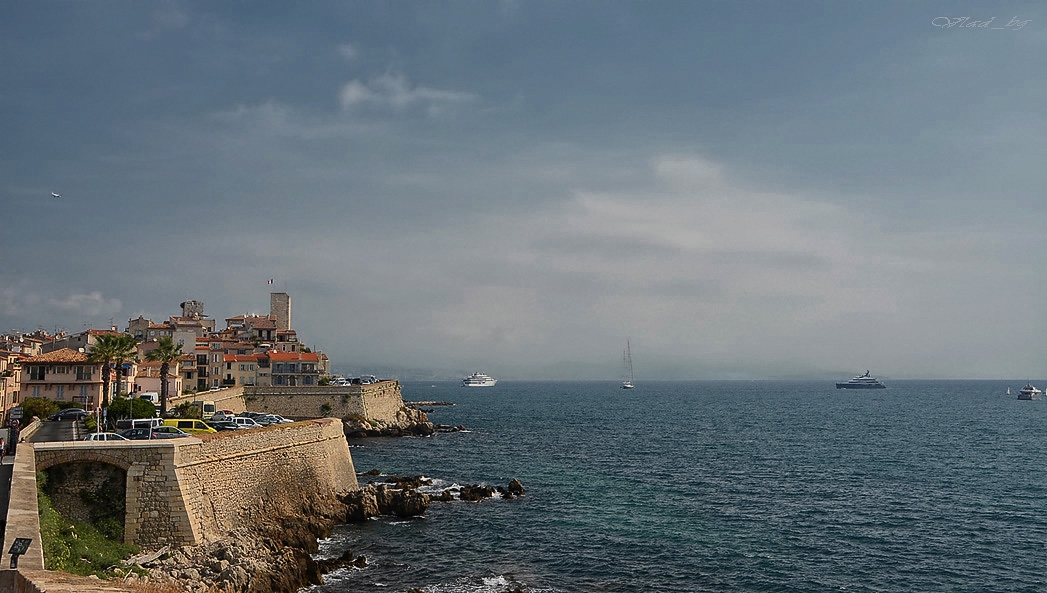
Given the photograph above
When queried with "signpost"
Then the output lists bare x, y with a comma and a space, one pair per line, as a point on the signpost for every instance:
18, 548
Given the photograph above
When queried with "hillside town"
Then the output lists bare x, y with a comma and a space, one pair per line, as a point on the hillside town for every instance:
251, 350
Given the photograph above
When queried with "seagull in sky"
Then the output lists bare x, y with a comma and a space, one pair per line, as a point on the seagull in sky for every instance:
54, 195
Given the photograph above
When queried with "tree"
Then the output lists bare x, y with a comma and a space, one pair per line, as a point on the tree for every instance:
109, 349
166, 353
37, 406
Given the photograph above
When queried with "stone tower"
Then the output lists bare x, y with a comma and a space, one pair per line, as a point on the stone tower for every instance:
280, 309
193, 310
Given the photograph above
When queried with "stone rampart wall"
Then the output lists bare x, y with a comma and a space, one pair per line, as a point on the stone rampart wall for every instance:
183, 491
233, 479
231, 398
378, 401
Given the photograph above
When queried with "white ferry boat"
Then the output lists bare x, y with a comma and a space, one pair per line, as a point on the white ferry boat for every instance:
478, 380
862, 382
1029, 392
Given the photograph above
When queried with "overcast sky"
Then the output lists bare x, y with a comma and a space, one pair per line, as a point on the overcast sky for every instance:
741, 189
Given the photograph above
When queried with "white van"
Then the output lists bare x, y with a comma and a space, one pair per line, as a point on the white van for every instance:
139, 423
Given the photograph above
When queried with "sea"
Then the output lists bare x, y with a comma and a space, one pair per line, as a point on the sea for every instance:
715, 486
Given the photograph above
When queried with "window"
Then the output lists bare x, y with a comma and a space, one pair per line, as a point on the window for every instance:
36, 391
292, 368
228, 366
84, 373
60, 391
36, 373
61, 370
189, 375
216, 371
214, 357
83, 391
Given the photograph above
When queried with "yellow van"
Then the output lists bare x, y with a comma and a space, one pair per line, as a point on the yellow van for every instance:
191, 426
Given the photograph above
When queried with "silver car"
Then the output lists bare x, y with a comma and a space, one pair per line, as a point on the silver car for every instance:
105, 436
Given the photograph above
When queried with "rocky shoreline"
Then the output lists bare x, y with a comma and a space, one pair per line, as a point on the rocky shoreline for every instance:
277, 556
408, 421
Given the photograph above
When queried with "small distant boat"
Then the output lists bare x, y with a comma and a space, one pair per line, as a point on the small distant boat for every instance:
627, 367
1008, 391
478, 380
862, 382
1029, 392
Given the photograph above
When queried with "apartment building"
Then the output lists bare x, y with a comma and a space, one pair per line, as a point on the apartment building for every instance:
10, 379
294, 368
63, 376
148, 378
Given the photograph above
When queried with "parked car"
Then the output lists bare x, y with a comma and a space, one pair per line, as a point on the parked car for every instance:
169, 432
270, 419
189, 425
105, 436
137, 434
69, 414
245, 422
223, 415
223, 425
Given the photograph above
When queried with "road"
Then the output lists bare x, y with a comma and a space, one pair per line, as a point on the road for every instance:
60, 430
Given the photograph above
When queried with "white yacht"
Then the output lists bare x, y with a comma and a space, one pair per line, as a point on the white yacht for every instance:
862, 382
1029, 392
478, 380
627, 367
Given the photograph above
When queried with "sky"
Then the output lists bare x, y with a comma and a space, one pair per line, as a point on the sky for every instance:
743, 190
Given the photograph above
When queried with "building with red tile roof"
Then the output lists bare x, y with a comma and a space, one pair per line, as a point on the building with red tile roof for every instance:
63, 375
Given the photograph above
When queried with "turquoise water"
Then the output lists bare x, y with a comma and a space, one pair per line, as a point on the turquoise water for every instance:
718, 486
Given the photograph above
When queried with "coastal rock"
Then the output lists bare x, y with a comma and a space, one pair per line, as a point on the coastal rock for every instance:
408, 482
515, 487
409, 503
360, 505
475, 493
406, 422
382, 499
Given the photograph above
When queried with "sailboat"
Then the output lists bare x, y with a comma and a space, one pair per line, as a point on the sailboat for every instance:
627, 367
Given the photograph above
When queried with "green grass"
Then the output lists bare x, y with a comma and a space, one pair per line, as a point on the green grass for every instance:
79, 548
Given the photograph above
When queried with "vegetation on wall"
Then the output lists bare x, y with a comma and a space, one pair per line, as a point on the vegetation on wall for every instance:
80, 547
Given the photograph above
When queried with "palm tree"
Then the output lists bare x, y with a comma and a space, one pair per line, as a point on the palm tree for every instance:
166, 353
109, 349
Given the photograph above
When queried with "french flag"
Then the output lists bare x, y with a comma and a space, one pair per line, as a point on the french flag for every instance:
270, 281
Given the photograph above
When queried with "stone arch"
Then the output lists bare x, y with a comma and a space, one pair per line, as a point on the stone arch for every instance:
48, 459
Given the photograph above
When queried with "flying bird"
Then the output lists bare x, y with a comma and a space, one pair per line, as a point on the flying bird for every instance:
54, 195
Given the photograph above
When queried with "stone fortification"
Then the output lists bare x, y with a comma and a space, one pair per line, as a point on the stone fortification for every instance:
235, 479
186, 491
231, 398
378, 401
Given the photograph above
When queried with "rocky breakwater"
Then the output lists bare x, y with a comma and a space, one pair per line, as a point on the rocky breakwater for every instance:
406, 421
400, 495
